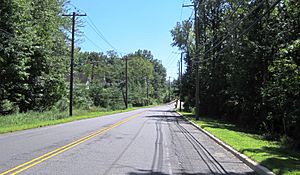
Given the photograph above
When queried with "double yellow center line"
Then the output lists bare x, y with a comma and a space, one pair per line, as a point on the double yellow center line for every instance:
33, 162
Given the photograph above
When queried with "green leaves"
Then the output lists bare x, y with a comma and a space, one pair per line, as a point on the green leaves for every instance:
282, 91
104, 76
249, 70
32, 73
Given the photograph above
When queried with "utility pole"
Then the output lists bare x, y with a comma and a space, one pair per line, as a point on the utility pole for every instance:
179, 84
126, 82
169, 89
147, 90
180, 79
197, 60
74, 14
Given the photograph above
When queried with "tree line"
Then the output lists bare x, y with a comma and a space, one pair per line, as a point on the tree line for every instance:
103, 83
35, 59
33, 54
249, 64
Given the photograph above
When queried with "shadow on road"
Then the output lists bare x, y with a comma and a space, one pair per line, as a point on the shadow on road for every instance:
203, 153
148, 172
157, 110
279, 159
285, 160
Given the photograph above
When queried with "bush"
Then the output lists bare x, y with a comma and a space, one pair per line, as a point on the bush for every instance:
62, 104
8, 107
286, 141
282, 97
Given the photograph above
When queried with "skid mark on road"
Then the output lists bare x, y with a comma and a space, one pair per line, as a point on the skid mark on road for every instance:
179, 149
157, 162
168, 160
213, 165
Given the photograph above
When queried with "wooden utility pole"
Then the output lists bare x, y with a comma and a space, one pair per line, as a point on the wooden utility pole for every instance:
147, 90
74, 14
180, 79
169, 89
126, 82
197, 59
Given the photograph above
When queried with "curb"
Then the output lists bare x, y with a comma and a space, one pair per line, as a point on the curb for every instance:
252, 164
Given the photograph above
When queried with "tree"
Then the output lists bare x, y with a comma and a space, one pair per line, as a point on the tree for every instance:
107, 88
249, 63
32, 54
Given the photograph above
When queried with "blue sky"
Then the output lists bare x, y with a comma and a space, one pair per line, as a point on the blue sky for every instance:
129, 25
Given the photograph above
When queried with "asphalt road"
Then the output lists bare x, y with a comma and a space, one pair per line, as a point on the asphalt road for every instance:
145, 141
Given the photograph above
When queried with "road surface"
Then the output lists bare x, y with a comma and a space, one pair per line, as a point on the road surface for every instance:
145, 141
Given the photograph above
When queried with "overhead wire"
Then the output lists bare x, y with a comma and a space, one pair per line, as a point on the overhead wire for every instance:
6, 33
251, 25
95, 28
227, 17
174, 52
215, 45
191, 16
172, 59
181, 13
168, 58
100, 34
93, 42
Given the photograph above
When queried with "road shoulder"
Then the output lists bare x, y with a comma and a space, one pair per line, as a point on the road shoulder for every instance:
252, 164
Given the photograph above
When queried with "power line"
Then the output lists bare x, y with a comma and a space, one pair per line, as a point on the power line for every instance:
6, 33
100, 33
168, 59
227, 17
170, 55
93, 42
181, 12
251, 25
171, 59
260, 18
233, 28
73, 6
93, 26
191, 16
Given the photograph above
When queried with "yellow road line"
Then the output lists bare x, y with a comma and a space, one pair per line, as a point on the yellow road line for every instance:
33, 162
45, 155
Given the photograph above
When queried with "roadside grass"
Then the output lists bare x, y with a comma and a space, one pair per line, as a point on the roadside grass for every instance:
271, 154
29, 120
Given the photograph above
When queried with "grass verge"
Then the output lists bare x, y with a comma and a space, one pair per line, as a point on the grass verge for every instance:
271, 154
29, 120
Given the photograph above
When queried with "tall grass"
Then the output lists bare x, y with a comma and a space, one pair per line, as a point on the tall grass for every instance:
28, 120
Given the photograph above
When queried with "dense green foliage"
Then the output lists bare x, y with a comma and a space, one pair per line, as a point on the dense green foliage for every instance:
33, 119
101, 80
249, 69
35, 59
32, 54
